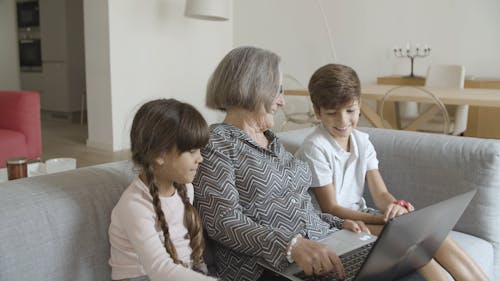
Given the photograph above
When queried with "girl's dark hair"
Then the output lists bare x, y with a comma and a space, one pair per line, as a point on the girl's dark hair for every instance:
159, 126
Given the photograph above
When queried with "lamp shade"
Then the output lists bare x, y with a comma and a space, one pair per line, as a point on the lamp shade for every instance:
208, 9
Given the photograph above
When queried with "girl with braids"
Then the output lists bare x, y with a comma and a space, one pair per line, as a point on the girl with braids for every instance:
155, 232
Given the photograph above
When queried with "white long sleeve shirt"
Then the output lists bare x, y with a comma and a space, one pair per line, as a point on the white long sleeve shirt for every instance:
136, 240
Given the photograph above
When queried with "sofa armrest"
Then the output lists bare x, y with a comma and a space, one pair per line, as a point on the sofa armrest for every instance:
20, 111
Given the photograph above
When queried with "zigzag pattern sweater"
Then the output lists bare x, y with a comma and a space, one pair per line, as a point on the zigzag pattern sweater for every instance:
253, 201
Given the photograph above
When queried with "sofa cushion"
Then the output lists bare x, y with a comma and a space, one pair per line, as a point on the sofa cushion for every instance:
479, 249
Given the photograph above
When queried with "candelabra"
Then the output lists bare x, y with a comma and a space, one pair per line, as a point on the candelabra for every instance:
412, 53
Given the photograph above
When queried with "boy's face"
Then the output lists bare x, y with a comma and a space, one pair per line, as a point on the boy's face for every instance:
339, 122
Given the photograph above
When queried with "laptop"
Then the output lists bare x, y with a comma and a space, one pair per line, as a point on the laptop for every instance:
405, 244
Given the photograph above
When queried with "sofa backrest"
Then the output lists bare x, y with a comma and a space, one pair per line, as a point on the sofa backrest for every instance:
433, 167
55, 227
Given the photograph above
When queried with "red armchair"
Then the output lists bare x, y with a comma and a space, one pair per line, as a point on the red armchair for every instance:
20, 128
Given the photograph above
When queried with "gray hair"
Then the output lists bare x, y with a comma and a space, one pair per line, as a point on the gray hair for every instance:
247, 77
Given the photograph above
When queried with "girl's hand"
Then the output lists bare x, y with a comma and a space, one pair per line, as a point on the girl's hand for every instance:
355, 226
394, 210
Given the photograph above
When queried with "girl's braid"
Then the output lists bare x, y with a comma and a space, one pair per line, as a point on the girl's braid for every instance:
153, 190
192, 222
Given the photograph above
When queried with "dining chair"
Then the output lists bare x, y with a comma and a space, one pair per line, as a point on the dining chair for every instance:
438, 76
433, 106
448, 76
297, 109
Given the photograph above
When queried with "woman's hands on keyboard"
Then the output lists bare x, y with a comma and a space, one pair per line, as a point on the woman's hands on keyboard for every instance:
316, 258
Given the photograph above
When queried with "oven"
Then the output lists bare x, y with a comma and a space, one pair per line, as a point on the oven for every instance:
30, 55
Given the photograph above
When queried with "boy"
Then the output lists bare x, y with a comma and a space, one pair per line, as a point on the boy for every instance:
342, 159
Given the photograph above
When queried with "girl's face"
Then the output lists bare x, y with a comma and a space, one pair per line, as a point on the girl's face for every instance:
179, 167
341, 121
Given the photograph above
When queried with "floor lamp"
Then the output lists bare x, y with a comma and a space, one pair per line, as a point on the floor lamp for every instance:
328, 31
307, 117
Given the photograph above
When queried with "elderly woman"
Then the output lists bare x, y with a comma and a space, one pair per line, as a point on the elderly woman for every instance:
250, 192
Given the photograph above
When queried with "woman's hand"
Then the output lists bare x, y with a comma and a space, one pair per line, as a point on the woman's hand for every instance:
355, 226
394, 210
316, 258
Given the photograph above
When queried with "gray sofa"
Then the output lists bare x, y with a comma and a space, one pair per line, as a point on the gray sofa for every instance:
427, 168
54, 227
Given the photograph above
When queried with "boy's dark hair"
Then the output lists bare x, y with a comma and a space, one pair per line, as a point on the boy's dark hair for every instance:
333, 86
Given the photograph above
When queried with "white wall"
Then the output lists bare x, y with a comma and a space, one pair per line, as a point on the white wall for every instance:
150, 50
364, 33
96, 33
9, 57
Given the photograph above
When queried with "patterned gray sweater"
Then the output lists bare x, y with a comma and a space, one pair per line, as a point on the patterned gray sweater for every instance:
253, 201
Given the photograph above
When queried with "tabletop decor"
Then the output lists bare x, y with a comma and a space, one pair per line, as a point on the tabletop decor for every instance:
412, 53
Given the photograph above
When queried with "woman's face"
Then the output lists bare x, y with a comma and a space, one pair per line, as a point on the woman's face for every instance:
264, 118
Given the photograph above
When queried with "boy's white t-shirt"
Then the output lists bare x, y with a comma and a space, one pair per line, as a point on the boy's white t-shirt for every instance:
329, 163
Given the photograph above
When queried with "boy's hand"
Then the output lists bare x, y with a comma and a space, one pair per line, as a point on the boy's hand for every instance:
355, 226
394, 210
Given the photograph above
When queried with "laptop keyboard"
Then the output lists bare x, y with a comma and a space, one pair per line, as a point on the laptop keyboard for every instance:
352, 262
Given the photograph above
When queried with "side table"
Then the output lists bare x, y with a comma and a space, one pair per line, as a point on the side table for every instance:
34, 169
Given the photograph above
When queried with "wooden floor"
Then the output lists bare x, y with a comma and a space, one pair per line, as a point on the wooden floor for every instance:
65, 139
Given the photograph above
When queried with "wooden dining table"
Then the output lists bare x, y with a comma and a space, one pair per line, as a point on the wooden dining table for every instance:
448, 96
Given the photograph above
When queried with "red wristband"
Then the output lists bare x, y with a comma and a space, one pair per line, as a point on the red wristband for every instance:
403, 203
